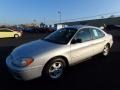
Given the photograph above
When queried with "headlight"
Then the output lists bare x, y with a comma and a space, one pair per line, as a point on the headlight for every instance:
23, 62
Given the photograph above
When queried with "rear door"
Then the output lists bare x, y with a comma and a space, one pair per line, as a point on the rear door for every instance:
98, 40
84, 49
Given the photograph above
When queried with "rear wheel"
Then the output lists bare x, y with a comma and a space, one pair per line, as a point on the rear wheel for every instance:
106, 50
54, 69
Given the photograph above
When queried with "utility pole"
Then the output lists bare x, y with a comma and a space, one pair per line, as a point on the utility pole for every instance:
44, 20
59, 12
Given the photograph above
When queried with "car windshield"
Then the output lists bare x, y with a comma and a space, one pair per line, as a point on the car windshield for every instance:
62, 36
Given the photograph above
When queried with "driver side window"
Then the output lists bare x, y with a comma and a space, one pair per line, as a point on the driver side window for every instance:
83, 35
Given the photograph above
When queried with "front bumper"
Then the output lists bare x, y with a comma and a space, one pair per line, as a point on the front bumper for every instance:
24, 73
27, 74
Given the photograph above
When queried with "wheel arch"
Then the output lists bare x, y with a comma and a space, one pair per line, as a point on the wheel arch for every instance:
108, 44
16, 34
63, 57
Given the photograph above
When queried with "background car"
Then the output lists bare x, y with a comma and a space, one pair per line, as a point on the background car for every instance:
50, 56
6, 33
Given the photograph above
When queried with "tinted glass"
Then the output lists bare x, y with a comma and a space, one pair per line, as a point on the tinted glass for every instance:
62, 36
84, 35
5, 30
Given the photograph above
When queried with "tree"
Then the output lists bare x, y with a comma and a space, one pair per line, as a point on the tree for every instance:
42, 25
112, 16
50, 26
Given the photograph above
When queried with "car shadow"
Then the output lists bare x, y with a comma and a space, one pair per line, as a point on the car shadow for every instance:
96, 73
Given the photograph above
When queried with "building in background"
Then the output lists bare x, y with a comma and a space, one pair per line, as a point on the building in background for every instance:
94, 22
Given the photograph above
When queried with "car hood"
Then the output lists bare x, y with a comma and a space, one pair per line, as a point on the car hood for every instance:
33, 49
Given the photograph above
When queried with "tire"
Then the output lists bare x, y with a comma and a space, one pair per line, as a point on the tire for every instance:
16, 36
106, 50
54, 69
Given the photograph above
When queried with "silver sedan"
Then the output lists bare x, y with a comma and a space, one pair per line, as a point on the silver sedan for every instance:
50, 56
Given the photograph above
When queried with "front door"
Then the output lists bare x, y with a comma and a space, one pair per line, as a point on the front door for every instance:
81, 46
5, 33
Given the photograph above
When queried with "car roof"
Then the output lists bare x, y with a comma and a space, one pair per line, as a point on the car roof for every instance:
81, 26
5, 28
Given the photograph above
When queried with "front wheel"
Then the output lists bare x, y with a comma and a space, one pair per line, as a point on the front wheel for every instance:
16, 36
54, 69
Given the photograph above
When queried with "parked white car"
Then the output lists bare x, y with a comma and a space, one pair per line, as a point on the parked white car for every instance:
50, 56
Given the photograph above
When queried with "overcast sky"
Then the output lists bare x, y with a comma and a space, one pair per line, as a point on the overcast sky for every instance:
25, 11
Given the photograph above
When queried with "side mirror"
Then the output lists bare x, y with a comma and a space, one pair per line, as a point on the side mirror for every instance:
74, 41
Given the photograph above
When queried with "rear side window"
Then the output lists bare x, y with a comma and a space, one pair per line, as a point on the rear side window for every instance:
96, 33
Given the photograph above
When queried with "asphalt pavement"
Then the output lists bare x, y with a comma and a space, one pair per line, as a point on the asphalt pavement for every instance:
98, 73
